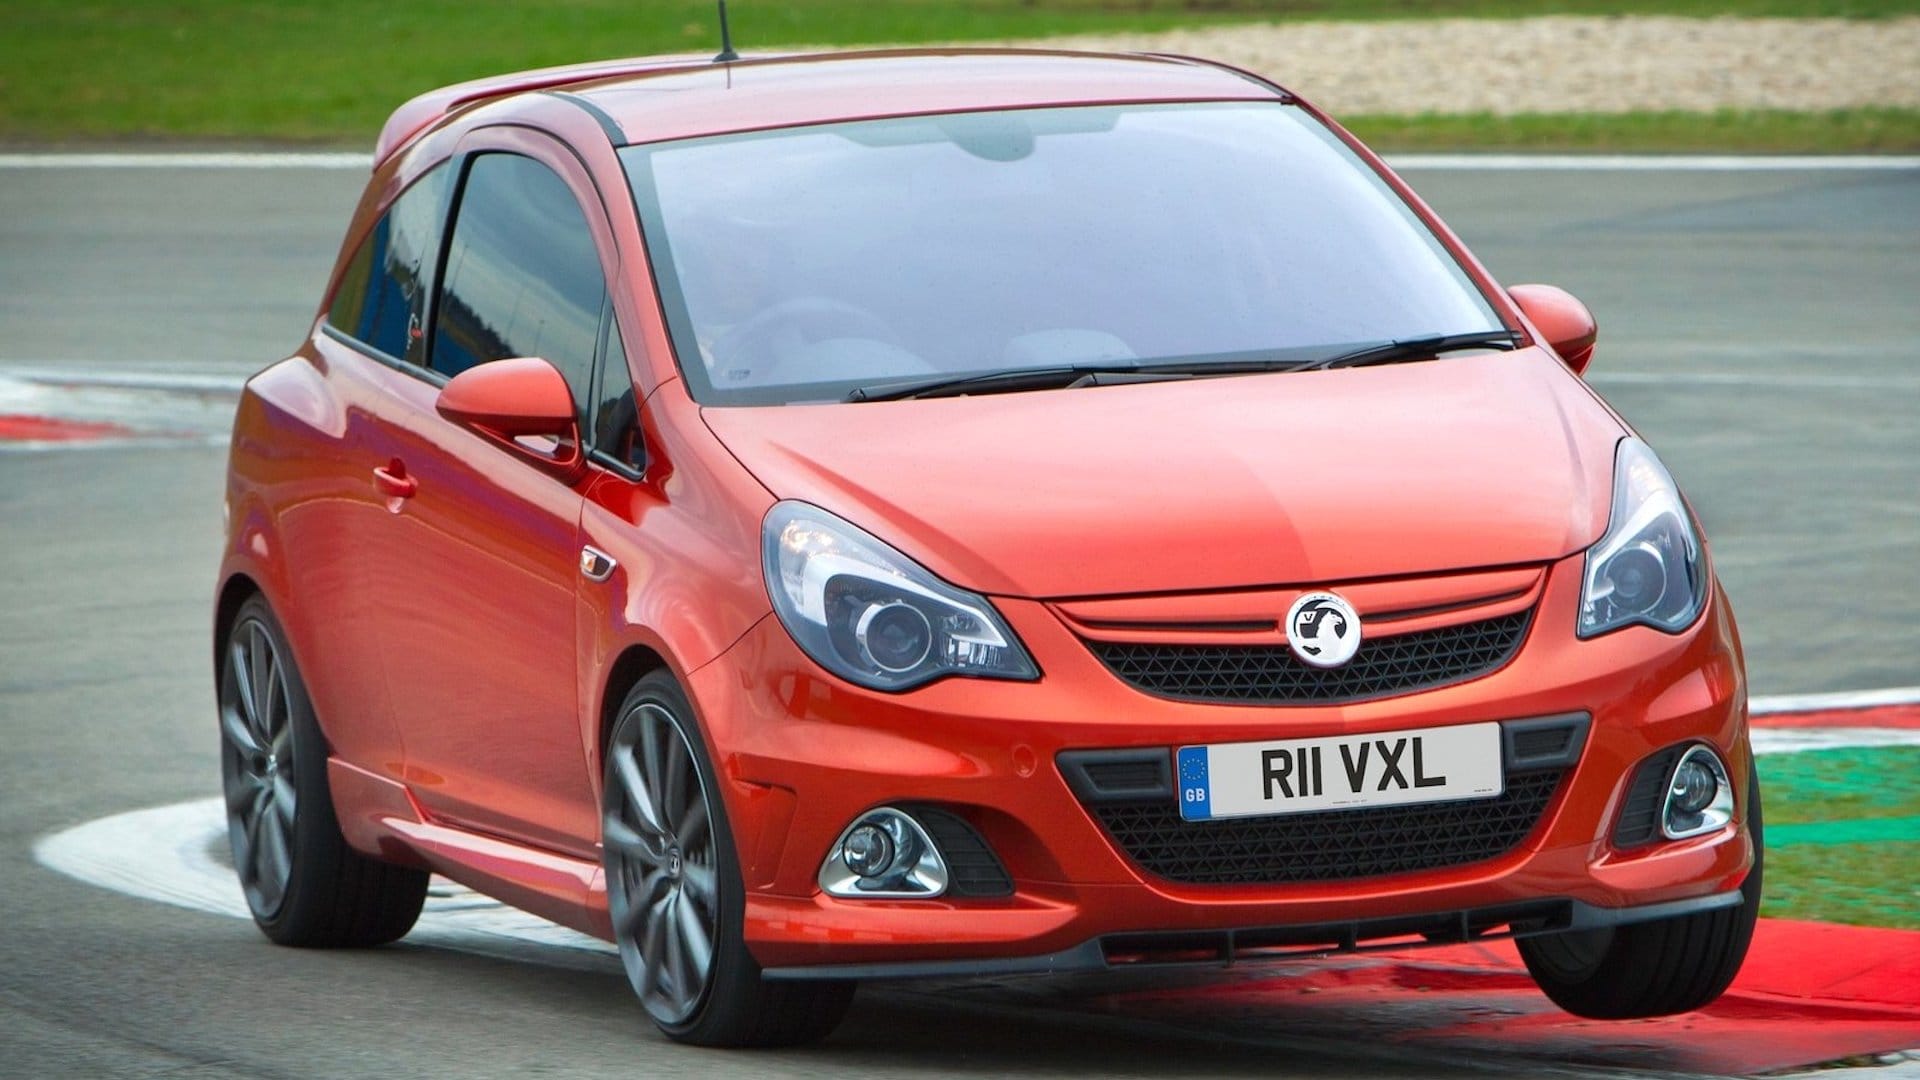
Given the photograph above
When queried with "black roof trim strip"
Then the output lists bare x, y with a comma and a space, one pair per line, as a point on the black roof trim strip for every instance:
607, 125
1285, 95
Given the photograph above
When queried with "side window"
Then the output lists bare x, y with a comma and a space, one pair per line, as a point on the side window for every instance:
382, 300
616, 416
522, 278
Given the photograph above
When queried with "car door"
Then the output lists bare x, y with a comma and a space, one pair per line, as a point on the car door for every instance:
339, 532
481, 665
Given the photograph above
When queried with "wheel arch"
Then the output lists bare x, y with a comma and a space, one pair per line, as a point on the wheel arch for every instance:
236, 590
635, 662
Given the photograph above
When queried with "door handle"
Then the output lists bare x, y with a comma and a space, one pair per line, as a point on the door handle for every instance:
392, 481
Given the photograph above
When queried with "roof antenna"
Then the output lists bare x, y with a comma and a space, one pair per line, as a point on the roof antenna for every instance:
726, 38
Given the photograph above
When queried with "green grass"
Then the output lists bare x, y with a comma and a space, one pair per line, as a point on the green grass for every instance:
1729, 131
331, 71
1820, 806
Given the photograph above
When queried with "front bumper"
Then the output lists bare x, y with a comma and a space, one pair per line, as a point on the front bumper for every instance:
804, 753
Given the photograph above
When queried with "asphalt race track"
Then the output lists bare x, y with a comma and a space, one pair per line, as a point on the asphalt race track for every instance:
1761, 327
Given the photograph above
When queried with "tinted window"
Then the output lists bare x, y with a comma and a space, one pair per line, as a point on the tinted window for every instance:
522, 278
382, 299
616, 419
796, 264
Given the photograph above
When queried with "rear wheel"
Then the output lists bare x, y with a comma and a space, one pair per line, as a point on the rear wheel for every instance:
675, 894
1654, 968
302, 882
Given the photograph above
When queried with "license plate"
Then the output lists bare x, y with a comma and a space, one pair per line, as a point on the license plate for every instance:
1292, 776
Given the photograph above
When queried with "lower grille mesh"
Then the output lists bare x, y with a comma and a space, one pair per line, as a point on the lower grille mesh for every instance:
1335, 845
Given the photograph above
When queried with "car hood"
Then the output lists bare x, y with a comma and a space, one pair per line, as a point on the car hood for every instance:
1280, 479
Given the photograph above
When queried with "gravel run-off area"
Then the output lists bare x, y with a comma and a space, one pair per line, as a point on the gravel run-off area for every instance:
1607, 64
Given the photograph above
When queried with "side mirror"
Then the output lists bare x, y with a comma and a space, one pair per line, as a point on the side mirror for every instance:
524, 405
1564, 321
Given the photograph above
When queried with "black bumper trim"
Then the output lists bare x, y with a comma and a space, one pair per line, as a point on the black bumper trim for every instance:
1224, 948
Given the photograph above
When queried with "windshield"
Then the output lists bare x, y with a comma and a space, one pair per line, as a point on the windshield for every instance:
800, 264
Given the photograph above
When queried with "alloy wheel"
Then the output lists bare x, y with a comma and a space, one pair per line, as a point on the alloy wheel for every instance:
662, 873
257, 765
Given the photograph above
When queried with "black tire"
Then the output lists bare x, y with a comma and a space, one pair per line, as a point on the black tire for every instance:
1654, 968
675, 892
304, 885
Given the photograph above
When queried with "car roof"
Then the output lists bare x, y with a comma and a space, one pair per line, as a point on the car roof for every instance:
649, 99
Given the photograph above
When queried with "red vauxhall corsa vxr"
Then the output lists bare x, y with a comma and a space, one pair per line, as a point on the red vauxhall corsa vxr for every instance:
906, 514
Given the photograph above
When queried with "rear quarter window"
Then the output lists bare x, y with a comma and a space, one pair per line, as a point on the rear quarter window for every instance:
382, 298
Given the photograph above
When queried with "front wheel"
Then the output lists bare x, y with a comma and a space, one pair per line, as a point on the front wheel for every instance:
1654, 968
675, 894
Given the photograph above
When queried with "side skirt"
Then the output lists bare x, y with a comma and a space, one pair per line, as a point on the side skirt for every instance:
379, 817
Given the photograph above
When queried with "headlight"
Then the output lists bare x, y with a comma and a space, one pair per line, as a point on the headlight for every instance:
873, 616
1647, 568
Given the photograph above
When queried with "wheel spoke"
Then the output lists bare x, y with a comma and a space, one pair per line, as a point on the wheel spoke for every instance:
650, 769
695, 941
692, 830
635, 788
235, 728
250, 829
674, 781
630, 918
246, 856
274, 857
257, 660
242, 683
651, 946
676, 955
283, 799
273, 705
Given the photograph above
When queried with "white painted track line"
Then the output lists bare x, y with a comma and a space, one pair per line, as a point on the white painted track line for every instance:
309, 159
125, 379
260, 160
1848, 699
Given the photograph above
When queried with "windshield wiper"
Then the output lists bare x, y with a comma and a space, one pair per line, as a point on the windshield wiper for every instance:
1067, 376
1415, 348
1002, 382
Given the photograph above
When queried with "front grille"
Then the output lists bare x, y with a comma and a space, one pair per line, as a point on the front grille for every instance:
1272, 675
1334, 845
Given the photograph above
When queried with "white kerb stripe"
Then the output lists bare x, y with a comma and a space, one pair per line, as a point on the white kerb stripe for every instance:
1848, 699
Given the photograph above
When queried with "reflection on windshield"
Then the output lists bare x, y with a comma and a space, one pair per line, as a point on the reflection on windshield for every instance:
800, 263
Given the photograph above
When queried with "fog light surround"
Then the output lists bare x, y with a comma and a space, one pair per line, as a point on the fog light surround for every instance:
884, 855
1699, 798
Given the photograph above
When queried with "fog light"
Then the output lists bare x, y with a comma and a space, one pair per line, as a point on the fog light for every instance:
867, 851
884, 854
1694, 787
1699, 798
